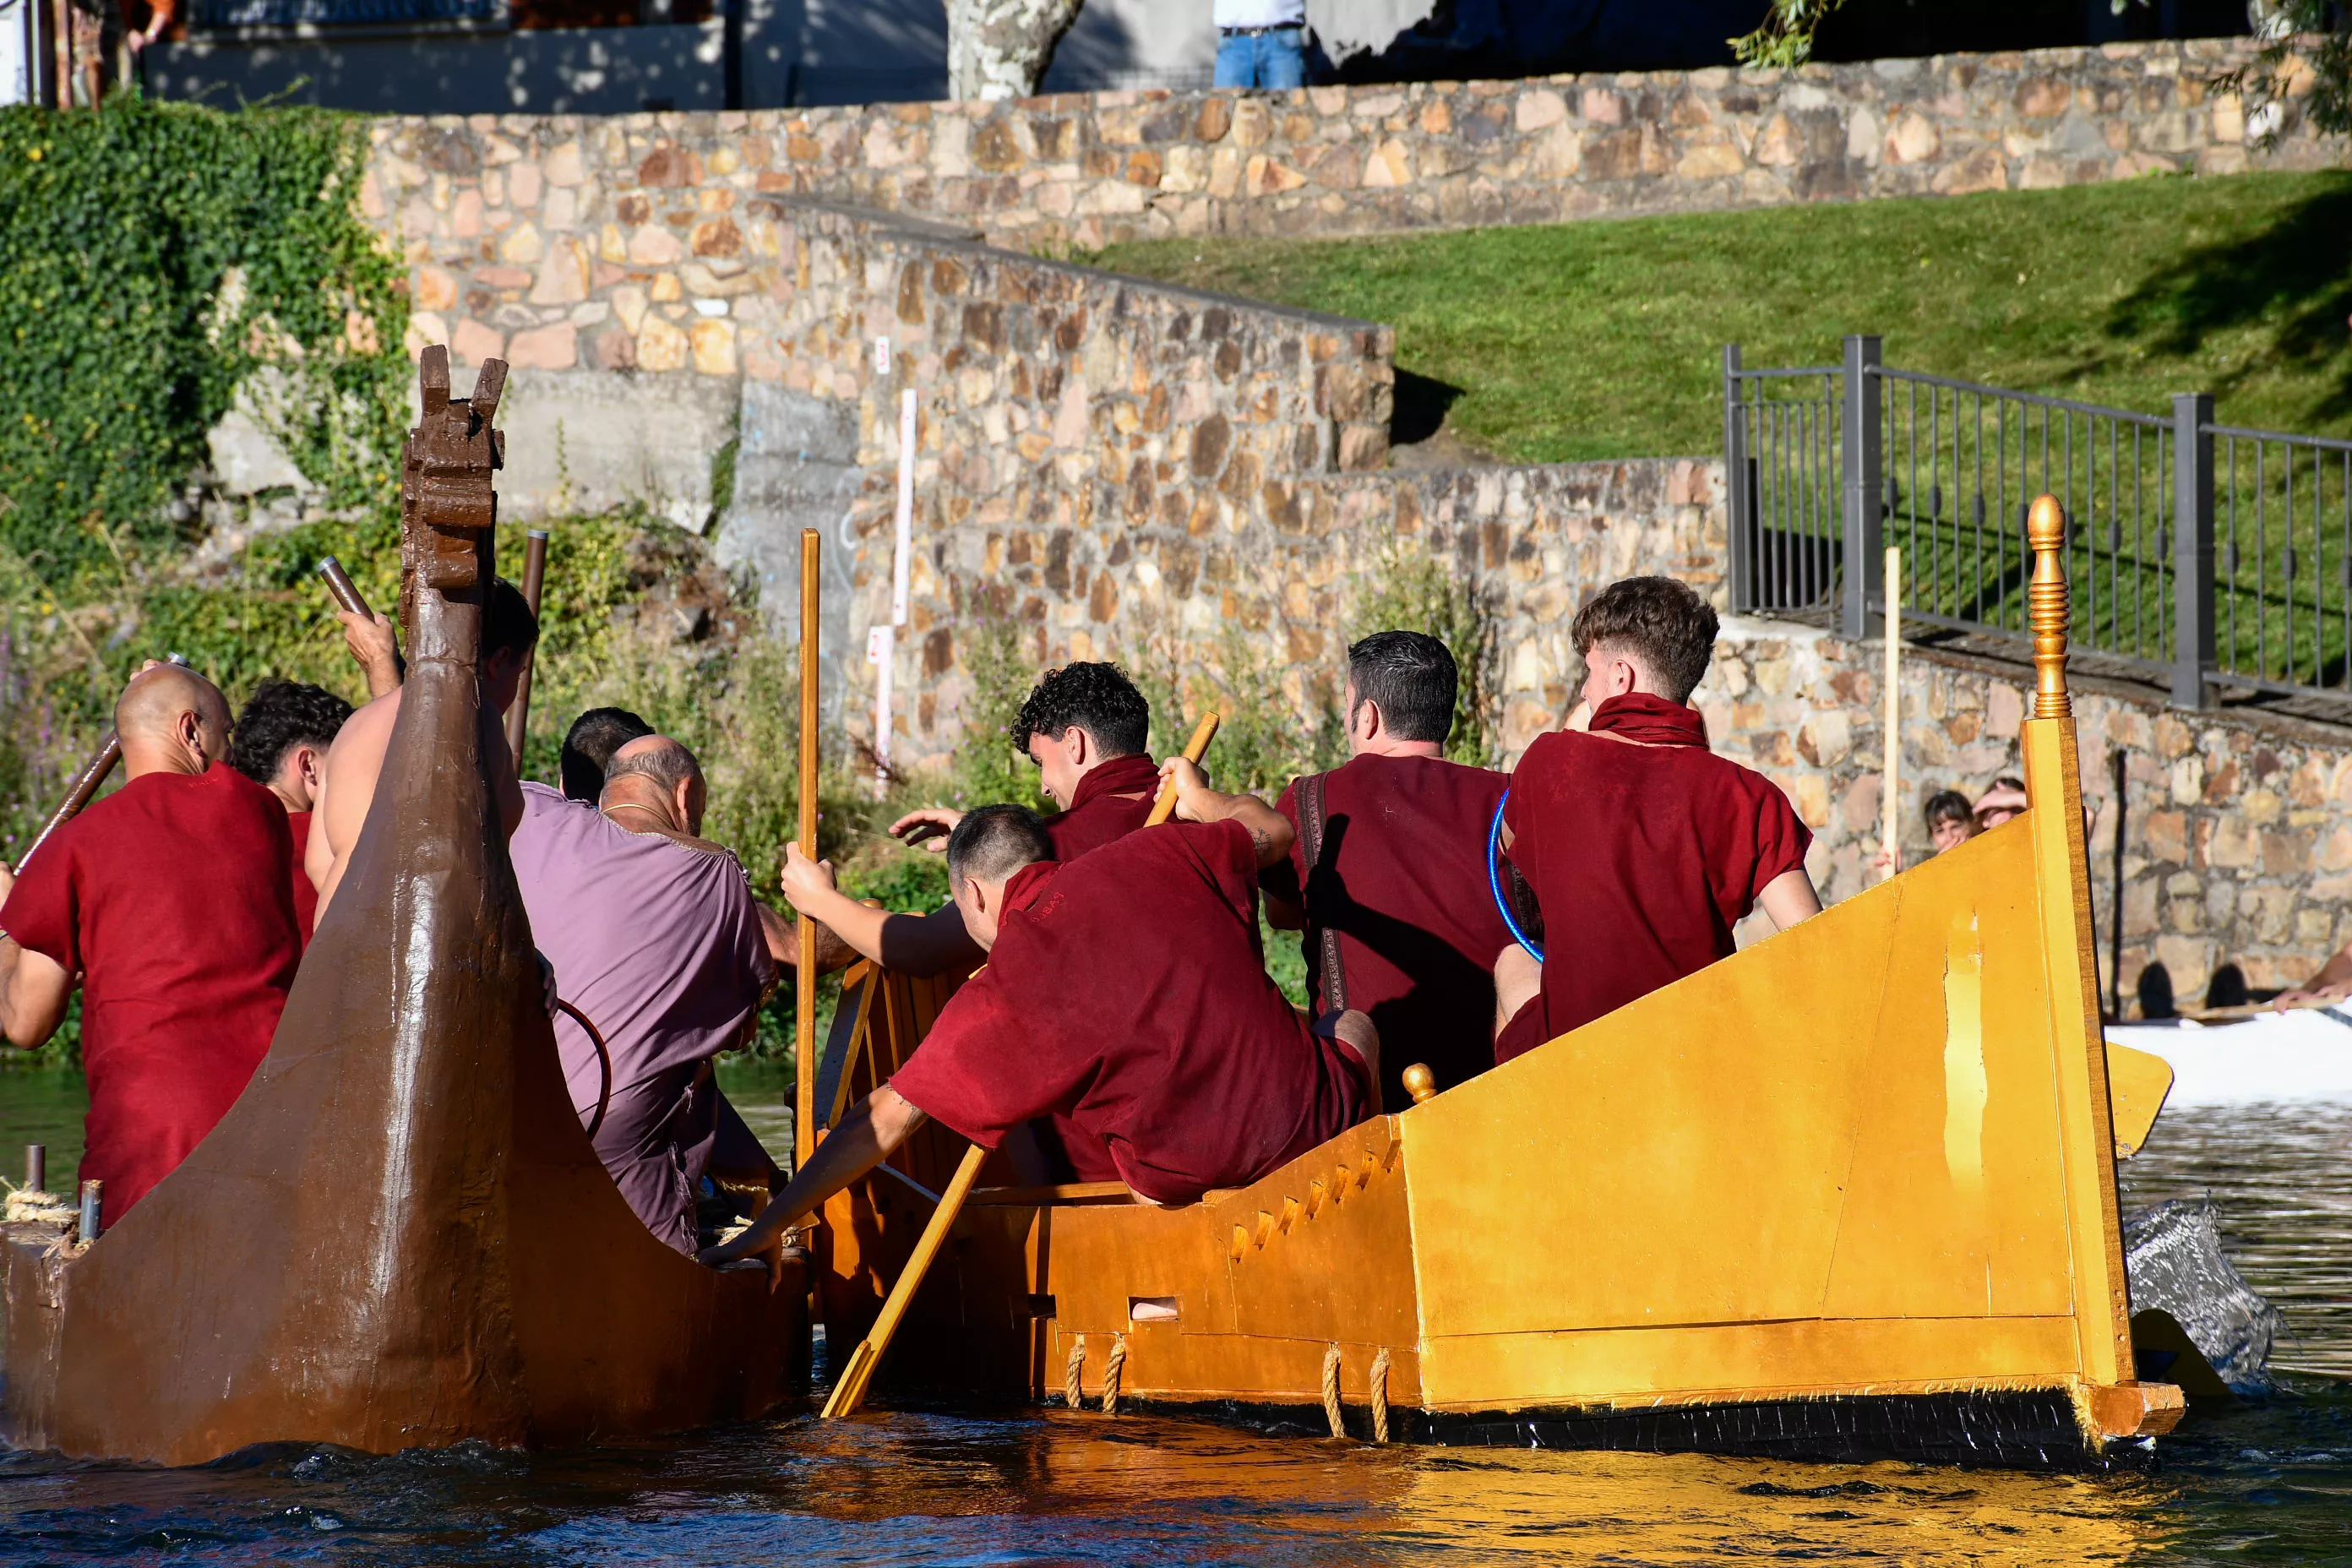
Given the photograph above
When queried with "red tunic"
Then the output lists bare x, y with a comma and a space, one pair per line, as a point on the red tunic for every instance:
1642, 858
1402, 877
1100, 809
173, 898
1163, 1038
306, 896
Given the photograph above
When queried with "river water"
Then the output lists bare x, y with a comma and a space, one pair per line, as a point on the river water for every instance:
2263, 1482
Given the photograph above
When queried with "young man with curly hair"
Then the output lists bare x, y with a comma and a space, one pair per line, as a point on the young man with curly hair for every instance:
1086, 726
1642, 846
280, 741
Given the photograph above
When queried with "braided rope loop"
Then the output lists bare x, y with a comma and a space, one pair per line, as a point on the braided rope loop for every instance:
1110, 1373
1072, 1394
1380, 1378
1331, 1391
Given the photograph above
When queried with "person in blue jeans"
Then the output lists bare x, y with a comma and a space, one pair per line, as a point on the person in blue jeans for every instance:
1261, 43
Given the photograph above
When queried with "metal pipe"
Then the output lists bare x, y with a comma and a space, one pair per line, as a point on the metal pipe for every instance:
92, 1207
37, 1167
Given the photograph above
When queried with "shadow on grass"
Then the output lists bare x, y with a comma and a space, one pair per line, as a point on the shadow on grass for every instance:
1419, 407
2292, 275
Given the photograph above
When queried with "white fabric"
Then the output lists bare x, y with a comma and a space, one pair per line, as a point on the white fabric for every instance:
1346, 28
1260, 13
2272, 1059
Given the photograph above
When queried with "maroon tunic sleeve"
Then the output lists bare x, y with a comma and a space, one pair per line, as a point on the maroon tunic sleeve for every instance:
972, 1072
1781, 837
43, 912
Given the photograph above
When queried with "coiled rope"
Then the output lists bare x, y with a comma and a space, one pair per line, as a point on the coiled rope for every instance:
1380, 1396
1110, 1373
1331, 1391
1072, 1394
1494, 880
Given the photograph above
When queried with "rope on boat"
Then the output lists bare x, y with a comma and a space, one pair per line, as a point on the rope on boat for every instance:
1110, 1373
1072, 1394
1331, 1391
1380, 1396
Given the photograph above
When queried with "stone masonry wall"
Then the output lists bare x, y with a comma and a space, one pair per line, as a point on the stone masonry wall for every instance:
1046, 174
2237, 830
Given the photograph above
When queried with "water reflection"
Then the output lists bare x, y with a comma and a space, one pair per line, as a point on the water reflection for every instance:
2281, 1176
1061, 1488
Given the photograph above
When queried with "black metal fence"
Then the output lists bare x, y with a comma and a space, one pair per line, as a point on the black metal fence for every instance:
2201, 552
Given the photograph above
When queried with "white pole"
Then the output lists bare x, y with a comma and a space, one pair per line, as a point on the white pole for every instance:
1890, 841
882, 641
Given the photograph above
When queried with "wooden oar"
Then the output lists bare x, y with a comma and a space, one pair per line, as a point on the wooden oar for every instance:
805, 976
347, 597
86, 784
534, 572
849, 1389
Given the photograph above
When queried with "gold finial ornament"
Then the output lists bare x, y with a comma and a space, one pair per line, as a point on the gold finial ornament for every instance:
1420, 1082
2046, 607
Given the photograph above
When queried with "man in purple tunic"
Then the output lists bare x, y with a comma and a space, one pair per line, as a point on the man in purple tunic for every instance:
654, 936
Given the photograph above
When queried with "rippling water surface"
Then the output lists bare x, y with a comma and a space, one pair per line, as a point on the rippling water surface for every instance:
2267, 1482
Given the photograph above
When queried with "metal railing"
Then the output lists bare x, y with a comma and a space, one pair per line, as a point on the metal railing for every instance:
2199, 553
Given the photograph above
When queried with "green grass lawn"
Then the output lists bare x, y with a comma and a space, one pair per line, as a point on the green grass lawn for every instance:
1605, 338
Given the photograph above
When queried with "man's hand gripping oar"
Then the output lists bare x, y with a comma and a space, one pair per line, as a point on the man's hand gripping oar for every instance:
867, 1135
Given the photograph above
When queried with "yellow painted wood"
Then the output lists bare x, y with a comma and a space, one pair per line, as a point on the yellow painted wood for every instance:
2137, 1083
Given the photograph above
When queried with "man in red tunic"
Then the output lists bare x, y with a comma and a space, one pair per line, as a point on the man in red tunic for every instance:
1388, 875
171, 901
1127, 991
1642, 846
1086, 726
280, 742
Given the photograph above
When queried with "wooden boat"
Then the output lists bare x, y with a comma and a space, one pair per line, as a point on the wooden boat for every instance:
1850, 1193
400, 1235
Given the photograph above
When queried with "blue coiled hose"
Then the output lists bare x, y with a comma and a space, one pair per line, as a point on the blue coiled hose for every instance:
1494, 880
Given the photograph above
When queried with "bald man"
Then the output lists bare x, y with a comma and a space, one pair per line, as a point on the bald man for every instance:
655, 940
510, 631
170, 902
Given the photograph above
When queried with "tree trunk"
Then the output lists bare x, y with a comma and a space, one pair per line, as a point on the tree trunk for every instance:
1000, 48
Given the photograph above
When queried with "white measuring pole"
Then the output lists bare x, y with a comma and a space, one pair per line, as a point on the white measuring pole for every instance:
882, 641
1890, 840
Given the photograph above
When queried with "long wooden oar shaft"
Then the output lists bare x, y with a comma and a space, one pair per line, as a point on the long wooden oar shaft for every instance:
86, 784
1195, 750
534, 574
804, 977
849, 1389
1890, 838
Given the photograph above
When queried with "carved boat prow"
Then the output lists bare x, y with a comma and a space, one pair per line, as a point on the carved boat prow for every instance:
400, 1236
1848, 1193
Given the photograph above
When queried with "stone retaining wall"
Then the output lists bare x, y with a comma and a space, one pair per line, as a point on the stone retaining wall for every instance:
2237, 830
1087, 170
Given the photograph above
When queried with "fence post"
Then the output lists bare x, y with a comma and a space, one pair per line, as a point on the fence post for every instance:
2192, 546
1864, 564
1735, 483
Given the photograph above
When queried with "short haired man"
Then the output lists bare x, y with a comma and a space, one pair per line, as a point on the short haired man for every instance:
171, 902
1642, 846
655, 938
1162, 1040
1086, 726
510, 631
588, 748
280, 742
1388, 873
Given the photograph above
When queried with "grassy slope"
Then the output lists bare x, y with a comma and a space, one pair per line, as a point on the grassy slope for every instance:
1604, 339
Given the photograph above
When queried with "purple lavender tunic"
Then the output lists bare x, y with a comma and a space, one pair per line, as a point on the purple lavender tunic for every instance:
657, 940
